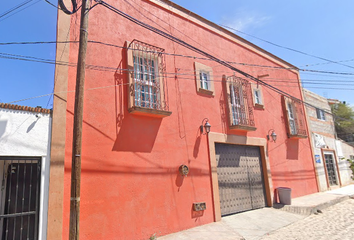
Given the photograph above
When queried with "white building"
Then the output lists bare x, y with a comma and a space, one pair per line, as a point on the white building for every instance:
24, 171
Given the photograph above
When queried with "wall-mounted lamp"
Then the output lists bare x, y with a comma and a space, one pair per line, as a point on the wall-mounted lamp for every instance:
206, 126
272, 136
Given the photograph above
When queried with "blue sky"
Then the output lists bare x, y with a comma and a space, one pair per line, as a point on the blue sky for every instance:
321, 28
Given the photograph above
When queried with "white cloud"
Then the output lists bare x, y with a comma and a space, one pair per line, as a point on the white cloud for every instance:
245, 20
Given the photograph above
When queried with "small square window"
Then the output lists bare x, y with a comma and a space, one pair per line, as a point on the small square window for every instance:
320, 114
204, 79
257, 96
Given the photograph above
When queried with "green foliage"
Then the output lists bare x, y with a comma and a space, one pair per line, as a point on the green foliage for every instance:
351, 167
153, 237
344, 119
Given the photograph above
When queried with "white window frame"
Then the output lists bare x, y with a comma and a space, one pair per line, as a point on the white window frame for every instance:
257, 94
147, 88
291, 115
236, 101
146, 77
204, 79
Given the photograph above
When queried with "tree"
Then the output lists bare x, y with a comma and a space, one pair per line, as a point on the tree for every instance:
344, 121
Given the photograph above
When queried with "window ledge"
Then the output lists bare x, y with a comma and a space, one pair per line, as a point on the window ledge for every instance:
259, 106
149, 112
297, 136
243, 127
206, 91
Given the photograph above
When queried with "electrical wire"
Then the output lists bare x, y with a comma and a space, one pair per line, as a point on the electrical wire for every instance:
64, 8
71, 91
174, 74
19, 10
52, 4
14, 8
188, 46
187, 56
290, 49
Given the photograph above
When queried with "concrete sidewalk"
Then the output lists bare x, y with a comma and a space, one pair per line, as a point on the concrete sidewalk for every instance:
254, 224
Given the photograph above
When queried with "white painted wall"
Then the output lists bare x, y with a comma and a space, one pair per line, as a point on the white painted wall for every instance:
24, 134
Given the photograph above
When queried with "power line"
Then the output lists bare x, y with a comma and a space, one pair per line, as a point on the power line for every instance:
290, 49
15, 8
19, 10
316, 64
181, 55
114, 69
186, 45
52, 4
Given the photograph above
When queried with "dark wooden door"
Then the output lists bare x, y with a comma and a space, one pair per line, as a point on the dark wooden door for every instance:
240, 178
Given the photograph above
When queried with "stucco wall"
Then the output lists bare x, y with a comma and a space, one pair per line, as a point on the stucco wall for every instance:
325, 128
130, 183
24, 134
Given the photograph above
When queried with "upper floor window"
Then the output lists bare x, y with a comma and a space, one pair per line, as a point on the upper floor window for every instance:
239, 98
147, 86
204, 79
257, 96
320, 114
295, 118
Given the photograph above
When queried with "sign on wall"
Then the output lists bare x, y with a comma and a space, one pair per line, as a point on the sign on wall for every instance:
317, 158
319, 141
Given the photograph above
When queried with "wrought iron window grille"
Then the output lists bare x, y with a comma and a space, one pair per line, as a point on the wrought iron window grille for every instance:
148, 88
240, 102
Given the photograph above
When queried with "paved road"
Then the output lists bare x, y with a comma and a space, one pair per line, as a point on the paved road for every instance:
336, 222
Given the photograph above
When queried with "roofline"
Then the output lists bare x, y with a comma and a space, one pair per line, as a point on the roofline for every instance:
25, 108
214, 27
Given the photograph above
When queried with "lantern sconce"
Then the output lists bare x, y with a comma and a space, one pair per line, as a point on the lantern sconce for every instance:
206, 126
272, 136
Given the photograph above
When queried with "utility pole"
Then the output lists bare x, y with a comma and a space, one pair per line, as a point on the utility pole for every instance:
77, 132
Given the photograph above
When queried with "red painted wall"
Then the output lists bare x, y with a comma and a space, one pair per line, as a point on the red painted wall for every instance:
130, 187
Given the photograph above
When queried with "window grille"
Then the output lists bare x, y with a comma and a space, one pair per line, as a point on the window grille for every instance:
240, 102
147, 84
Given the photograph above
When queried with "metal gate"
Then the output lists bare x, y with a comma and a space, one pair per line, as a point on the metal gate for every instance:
19, 203
331, 172
240, 178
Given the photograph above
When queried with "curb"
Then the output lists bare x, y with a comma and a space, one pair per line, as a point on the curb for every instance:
308, 210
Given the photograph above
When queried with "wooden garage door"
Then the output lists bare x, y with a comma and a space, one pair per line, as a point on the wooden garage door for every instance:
240, 178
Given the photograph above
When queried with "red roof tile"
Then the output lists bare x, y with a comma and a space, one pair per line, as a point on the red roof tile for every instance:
24, 108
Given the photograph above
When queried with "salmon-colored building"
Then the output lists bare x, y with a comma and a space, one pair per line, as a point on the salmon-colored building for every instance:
147, 168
